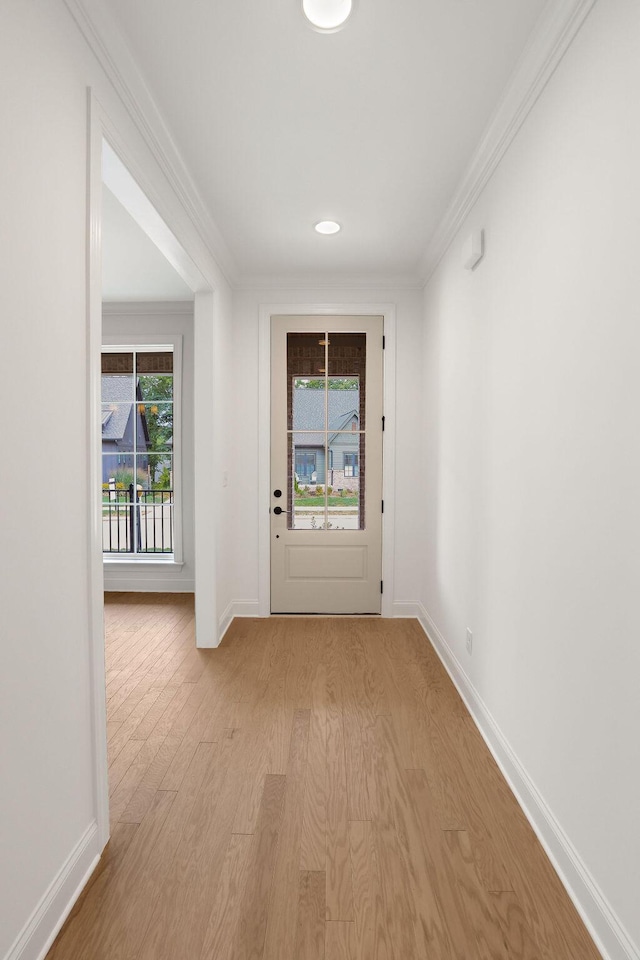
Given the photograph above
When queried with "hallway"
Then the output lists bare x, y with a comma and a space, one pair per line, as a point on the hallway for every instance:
312, 788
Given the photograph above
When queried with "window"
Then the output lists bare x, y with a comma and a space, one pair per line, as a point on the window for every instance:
351, 464
305, 463
139, 468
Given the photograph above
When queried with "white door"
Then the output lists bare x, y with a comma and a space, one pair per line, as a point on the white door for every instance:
326, 464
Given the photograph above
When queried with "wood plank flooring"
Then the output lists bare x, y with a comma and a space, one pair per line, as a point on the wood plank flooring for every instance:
314, 789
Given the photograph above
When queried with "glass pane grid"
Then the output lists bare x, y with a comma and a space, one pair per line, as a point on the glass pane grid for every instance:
137, 443
325, 410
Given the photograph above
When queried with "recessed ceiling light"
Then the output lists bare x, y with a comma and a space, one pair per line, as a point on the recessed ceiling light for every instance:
327, 227
327, 15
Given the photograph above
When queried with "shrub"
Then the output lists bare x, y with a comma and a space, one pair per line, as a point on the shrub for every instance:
329, 491
125, 477
319, 491
164, 480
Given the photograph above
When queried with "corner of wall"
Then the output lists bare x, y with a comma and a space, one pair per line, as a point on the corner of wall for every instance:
236, 608
599, 917
45, 922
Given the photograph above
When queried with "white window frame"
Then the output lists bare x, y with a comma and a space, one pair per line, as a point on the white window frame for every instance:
115, 344
351, 466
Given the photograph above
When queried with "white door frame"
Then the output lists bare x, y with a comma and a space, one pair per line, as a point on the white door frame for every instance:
388, 311
203, 282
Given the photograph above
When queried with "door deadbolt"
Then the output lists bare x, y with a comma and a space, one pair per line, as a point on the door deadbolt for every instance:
277, 493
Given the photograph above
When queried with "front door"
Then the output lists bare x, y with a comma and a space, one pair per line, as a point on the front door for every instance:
326, 464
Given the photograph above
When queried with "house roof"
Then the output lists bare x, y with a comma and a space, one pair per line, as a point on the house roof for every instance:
116, 405
308, 408
308, 414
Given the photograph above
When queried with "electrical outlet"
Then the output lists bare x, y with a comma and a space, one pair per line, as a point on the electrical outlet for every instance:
469, 641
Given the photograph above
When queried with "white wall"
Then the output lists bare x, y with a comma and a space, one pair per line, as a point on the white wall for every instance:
46, 801
153, 321
532, 452
243, 468
229, 440
48, 832
132, 266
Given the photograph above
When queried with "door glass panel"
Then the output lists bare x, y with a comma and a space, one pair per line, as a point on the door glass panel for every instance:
325, 421
343, 403
347, 355
308, 403
307, 455
346, 365
306, 363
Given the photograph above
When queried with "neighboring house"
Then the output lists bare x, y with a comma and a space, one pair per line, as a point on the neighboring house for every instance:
120, 417
311, 465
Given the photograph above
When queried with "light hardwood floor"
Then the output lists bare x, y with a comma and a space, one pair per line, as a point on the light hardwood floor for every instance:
314, 788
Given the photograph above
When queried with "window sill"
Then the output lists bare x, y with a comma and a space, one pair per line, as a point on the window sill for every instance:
132, 562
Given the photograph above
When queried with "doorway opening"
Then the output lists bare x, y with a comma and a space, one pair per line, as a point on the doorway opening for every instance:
146, 299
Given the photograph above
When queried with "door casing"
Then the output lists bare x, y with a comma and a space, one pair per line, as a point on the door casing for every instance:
303, 579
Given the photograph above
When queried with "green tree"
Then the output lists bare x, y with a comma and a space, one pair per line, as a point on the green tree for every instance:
335, 383
157, 396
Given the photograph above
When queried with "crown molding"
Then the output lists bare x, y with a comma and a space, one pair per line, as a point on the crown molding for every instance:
558, 25
154, 308
114, 56
357, 282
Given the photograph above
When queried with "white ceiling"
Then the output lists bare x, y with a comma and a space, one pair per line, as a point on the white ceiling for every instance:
132, 266
281, 126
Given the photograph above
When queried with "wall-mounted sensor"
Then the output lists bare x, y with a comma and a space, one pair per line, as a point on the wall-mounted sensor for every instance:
473, 250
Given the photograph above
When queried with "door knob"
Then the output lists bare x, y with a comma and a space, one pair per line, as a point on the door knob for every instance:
279, 510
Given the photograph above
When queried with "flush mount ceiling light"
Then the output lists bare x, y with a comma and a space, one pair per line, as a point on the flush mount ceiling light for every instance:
327, 227
327, 15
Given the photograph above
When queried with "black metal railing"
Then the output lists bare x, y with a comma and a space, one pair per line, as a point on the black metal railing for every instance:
137, 521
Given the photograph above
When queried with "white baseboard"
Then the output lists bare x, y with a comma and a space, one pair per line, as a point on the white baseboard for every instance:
600, 919
237, 608
150, 585
46, 920
406, 608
